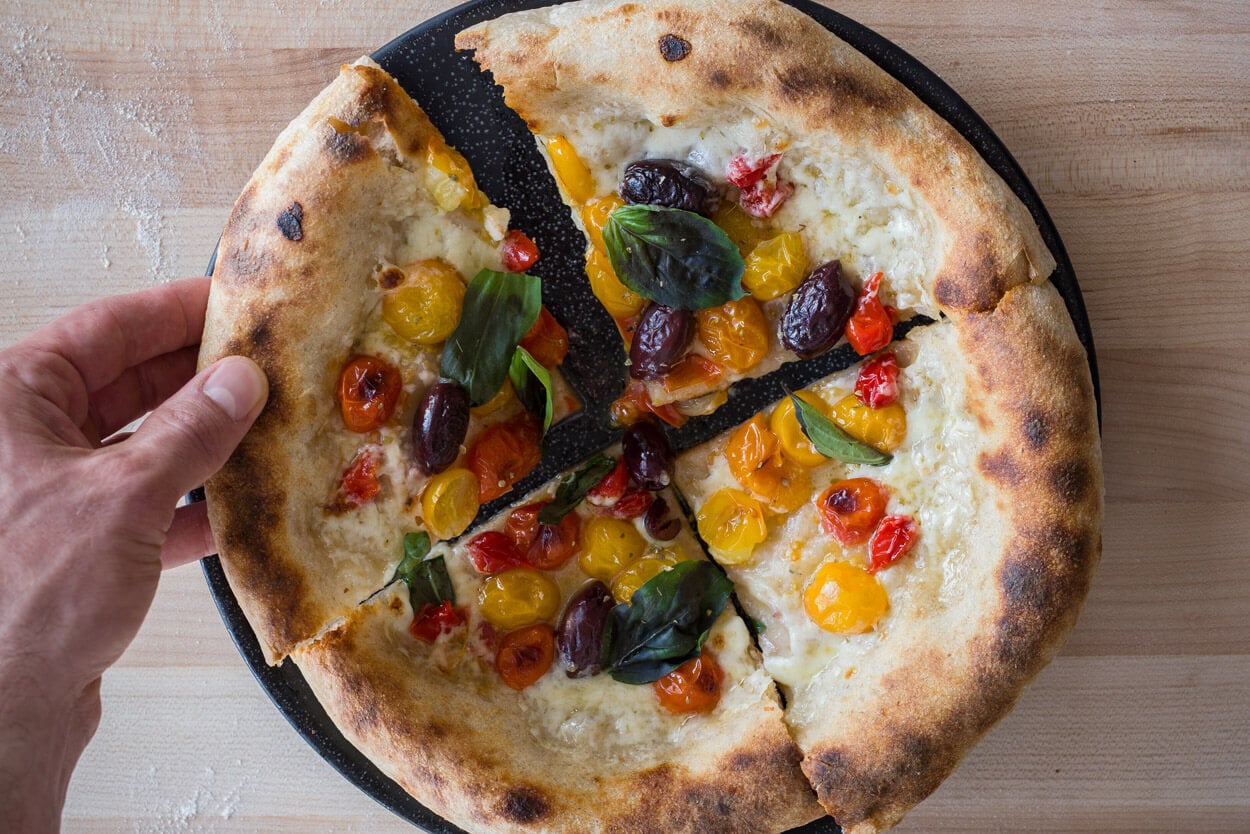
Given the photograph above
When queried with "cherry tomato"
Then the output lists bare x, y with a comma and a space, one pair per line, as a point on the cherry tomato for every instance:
635, 404
608, 491
763, 199
895, 536
368, 393
877, 383
434, 620
870, 327
694, 686
519, 251
851, 509
360, 484
525, 655
634, 503
745, 172
546, 546
547, 341
504, 454
692, 370
494, 552
845, 599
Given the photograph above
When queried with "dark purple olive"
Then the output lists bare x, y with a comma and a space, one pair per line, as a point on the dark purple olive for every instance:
660, 525
648, 456
439, 426
579, 637
659, 340
667, 182
818, 311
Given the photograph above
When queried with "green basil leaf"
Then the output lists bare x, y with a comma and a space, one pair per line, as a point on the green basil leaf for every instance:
665, 623
574, 488
499, 309
673, 257
427, 579
831, 441
533, 385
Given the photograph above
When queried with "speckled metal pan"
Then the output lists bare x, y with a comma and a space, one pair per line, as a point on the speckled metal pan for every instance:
467, 106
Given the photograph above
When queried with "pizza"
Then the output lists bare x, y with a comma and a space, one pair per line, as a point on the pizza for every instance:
817, 610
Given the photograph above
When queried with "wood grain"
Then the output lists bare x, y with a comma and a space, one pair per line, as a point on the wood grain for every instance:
126, 130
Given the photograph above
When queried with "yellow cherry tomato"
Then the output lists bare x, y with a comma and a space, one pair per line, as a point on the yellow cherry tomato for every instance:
775, 267
619, 300
743, 230
595, 217
449, 178
732, 523
518, 597
794, 443
640, 573
426, 308
505, 396
735, 333
573, 175
609, 546
844, 598
450, 502
881, 428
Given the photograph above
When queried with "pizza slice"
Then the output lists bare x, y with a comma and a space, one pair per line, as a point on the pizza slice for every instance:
573, 666
753, 190
412, 366
916, 535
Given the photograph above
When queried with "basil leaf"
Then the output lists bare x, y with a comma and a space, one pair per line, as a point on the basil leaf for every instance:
533, 385
574, 488
665, 623
831, 441
673, 257
499, 309
427, 579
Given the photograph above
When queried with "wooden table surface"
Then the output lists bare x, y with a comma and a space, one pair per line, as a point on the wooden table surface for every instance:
127, 129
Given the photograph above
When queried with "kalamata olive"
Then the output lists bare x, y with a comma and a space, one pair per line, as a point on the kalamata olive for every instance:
667, 182
659, 340
660, 525
647, 455
579, 637
439, 426
818, 311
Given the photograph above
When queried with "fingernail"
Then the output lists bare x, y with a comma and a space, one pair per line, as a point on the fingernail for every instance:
236, 385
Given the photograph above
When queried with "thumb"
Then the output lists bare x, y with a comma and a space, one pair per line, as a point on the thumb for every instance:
192, 433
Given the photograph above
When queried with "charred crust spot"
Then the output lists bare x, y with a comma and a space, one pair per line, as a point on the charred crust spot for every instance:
524, 805
346, 147
1071, 480
674, 48
667, 120
1037, 428
390, 277
761, 31
801, 82
1001, 466
291, 223
261, 333
719, 79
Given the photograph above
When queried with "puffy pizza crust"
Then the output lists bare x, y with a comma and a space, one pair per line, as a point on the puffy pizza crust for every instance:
469, 748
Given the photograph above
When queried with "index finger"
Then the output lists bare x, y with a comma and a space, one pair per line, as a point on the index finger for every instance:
103, 338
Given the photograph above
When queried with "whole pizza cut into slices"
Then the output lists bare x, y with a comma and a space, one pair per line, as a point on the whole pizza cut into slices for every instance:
585, 675
753, 189
380, 291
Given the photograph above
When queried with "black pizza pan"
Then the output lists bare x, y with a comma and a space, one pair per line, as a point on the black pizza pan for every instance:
468, 108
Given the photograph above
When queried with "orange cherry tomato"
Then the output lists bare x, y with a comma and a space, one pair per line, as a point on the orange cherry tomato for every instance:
692, 370
694, 686
359, 484
870, 327
547, 341
735, 333
518, 250
504, 454
635, 404
368, 393
434, 620
851, 509
546, 546
894, 536
525, 655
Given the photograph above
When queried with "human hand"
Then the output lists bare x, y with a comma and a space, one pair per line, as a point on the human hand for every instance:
85, 528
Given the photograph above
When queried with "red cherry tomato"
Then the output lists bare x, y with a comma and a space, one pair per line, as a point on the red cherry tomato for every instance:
525, 655
519, 252
894, 537
877, 383
547, 341
870, 327
745, 172
635, 502
851, 509
608, 491
694, 686
635, 404
763, 199
368, 393
433, 620
359, 484
546, 546
504, 454
494, 552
